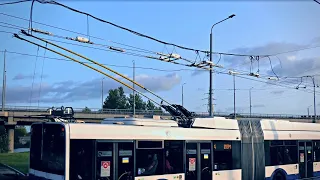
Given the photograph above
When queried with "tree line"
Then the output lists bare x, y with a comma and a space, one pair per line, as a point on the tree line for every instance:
117, 99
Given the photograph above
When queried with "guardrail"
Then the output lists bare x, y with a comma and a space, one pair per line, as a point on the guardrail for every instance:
157, 112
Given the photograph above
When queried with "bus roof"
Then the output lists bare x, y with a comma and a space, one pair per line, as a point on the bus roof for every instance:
218, 123
140, 121
217, 128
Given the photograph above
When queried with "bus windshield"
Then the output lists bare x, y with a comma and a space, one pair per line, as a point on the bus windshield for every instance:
47, 150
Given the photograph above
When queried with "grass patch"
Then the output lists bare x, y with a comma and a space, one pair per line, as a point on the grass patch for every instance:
19, 161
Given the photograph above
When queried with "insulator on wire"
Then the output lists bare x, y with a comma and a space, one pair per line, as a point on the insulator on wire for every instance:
116, 49
40, 31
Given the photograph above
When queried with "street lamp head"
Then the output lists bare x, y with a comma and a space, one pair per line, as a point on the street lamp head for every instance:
231, 16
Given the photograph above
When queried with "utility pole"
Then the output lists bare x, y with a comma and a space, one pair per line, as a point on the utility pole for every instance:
4, 81
250, 99
134, 93
210, 78
314, 100
233, 73
234, 96
182, 92
308, 110
210, 71
102, 94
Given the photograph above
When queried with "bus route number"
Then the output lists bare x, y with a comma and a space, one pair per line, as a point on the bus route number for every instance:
227, 146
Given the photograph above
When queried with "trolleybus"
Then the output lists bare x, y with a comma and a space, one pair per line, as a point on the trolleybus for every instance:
147, 149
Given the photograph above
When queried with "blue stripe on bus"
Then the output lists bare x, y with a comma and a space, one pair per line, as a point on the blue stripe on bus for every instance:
289, 176
316, 174
33, 177
293, 176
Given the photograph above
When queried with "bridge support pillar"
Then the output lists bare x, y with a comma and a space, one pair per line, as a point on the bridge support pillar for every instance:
10, 126
10, 133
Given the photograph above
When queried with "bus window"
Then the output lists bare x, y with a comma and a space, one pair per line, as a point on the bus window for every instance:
290, 152
53, 153
104, 166
276, 155
316, 147
267, 152
149, 158
236, 154
35, 147
283, 152
222, 155
173, 157
125, 160
81, 159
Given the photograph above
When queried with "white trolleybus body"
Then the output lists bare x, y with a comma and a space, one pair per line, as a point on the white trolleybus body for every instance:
145, 149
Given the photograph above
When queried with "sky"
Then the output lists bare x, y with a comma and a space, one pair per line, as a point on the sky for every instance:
259, 28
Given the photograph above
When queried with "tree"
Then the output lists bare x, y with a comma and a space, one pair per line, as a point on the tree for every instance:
4, 143
116, 99
123, 101
86, 110
150, 105
18, 133
140, 104
159, 110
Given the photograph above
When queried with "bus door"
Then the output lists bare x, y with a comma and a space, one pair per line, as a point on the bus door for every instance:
198, 161
305, 159
125, 160
114, 160
206, 159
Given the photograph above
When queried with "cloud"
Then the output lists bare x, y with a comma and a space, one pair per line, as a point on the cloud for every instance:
243, 109
27, 76
315, 40
71, 91
277, 92
267, 49
238, 109
159, 83
197, 72
298, 67
291, 58
258, 106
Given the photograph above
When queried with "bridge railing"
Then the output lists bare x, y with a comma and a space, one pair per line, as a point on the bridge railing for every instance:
156, 112
91, 111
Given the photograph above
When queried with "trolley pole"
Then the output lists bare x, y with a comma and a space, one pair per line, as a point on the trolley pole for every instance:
4, 82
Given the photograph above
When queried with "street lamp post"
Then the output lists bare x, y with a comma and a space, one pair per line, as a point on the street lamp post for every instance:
102, 94
314, 99
234, 96
210, 71
233, 73
182, 92
134, 93
250, 99
308, 110
4, 82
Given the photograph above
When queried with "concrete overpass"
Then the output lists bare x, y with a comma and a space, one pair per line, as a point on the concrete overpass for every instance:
13, 116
